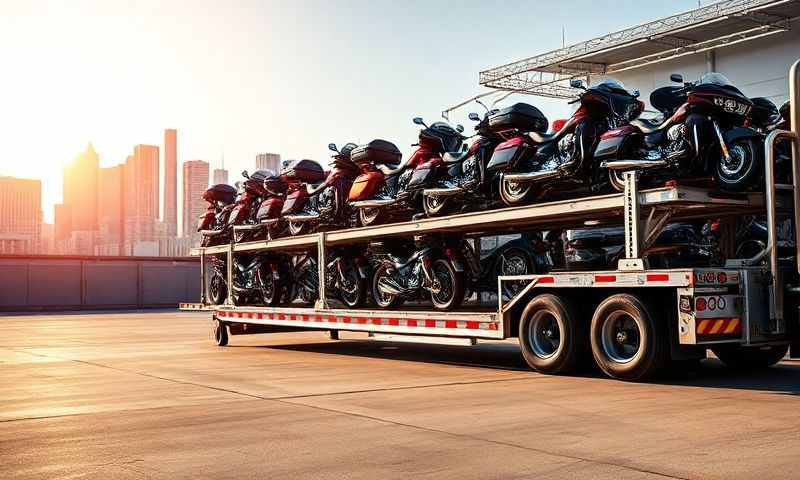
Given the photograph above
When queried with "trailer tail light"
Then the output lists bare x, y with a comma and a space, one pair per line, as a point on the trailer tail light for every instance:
700, 304
722, 277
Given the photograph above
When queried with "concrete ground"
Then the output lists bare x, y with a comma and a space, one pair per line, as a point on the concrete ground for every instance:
147, 395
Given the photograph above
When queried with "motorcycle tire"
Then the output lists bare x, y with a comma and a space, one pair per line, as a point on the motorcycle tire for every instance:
382, 299
450, 296
299, 228
515, 261
437, 206
269, 289
744, 171
370, 216
358, 295
217, 290
519, 195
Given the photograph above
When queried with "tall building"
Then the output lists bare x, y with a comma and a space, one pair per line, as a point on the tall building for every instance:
171, 180
268, 161
21, 204
140, 196
63, 222
110, 209
195, 182
80, 189
220, 175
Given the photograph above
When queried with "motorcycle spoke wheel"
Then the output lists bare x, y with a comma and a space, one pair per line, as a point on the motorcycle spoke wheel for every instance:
383, 299
351, 289
515, 263
298, 228
435, 206
369, 216
742, 169
448, 291
513, 193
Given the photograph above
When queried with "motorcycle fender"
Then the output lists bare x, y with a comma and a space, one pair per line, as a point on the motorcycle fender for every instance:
739, 133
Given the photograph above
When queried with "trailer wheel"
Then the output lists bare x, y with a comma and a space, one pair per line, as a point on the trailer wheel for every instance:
220, 333
551, 335
736, 356
628, 339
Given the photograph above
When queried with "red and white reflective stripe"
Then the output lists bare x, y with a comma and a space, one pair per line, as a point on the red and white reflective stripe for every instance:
356, 320
583, 279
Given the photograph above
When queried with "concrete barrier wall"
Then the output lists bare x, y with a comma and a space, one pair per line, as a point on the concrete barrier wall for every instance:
54, 282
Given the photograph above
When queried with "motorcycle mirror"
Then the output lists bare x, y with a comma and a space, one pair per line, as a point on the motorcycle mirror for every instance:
676, 77
576, 83
460, 128
636, 93
332, 147
419, 121
245, 174
474, 117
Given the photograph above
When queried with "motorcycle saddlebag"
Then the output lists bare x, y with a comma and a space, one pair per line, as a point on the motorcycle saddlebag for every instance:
509, 153
295, 201
270, 208
220, 193
365, 186
377, 151
519, 116
307, 171
425, 174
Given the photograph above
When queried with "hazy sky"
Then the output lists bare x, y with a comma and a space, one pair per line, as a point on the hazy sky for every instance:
244, 77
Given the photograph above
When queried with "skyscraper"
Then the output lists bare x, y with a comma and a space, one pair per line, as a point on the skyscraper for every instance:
80, 189
21, 204
195, 182
140, 196
171, 180
268, 161
220, 176
110, 209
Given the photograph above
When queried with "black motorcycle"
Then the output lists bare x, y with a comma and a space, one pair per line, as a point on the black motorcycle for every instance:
534, 164
752, 238
703, 135
257, 280
347, 277
406, 271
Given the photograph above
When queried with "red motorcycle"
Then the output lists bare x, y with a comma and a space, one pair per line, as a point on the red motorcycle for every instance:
213, 221
268, 215
386, 190
316, 200
535, 164
703, 135
242, 222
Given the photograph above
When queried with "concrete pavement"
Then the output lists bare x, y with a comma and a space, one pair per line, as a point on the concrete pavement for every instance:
148, 395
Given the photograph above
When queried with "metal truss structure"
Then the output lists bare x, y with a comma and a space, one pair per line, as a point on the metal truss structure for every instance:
717, 25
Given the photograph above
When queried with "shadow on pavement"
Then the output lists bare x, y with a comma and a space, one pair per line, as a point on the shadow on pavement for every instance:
710, 373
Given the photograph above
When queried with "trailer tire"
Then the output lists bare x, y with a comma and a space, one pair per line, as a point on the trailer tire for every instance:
548, 318
220, 333
628, 339
739, 357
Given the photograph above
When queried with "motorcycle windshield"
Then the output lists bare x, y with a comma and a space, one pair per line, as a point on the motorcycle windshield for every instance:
610, 84
715, 78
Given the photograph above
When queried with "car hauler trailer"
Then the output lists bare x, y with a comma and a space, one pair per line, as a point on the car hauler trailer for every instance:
632, 320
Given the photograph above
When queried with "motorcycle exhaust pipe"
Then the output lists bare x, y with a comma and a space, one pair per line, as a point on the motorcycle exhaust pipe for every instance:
443, 192
530, 176
633, 164
373, 203
301, 218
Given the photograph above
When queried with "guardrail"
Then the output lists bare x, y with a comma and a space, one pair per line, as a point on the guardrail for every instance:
36, 283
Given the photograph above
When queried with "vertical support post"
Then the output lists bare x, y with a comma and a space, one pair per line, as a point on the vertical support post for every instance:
794, 114
776, 286
229, 275
633, 224
321, 302
202, 276
83, 282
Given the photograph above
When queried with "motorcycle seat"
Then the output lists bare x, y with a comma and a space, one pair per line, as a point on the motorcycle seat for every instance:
646, 126
388, 170
313, 189
454, 157
542, 137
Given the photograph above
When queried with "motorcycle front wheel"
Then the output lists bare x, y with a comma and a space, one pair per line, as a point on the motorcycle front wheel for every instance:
370, 216
217, 290
743, 169
383, 299
353, 291
269, 288
513, 194
448, 292
299, 228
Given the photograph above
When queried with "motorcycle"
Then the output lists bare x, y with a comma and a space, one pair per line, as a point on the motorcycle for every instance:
268, 216
465, 183
242, 222
752, 238
211, 224
386, 190
532, 164
424, 266
316, 200
703, 135
523, 255
257, 279
347, 277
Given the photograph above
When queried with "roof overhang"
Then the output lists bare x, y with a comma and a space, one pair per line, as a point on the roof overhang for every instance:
718, 25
